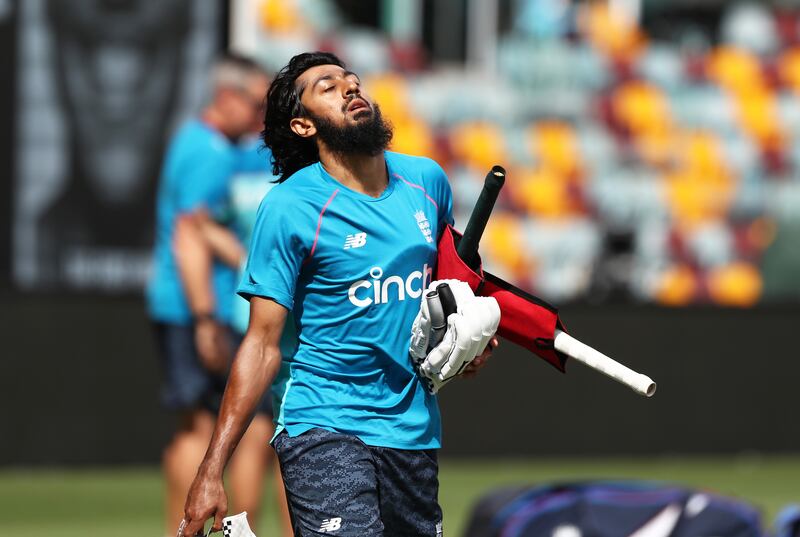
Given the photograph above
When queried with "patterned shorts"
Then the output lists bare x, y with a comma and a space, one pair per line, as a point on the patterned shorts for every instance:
337, 485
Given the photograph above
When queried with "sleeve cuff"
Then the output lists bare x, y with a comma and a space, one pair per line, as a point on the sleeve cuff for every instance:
247, 290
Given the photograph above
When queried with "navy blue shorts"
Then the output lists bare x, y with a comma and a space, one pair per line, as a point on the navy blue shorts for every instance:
186, 383
338, 485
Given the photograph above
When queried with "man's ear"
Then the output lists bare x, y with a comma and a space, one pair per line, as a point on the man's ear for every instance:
303, 127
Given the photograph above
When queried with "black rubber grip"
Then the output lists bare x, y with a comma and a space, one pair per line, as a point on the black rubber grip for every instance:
447, 299
468, 246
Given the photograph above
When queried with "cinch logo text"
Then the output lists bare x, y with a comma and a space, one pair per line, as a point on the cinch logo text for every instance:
379, 290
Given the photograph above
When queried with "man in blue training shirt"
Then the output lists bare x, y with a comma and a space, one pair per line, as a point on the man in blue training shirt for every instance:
347, 245
190, 294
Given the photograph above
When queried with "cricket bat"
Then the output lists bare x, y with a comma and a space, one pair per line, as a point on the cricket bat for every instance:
467, 250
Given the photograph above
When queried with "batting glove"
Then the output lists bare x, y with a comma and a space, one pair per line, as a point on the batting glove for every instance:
236, 526
442, 348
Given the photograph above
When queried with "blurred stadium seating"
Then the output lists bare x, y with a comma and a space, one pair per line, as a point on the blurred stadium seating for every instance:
639, 168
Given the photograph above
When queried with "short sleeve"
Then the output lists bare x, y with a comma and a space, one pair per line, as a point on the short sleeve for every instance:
204, 181
442, 193
276, 254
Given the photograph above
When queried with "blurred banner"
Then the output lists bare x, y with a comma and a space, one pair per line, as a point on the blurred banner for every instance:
100, 85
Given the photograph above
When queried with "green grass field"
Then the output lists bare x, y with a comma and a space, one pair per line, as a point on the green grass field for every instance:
127, 502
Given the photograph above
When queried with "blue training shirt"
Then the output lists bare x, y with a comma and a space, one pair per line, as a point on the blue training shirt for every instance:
351, 269
197, 169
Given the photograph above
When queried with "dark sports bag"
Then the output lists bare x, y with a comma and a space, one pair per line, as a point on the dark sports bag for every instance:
788, 522
611, 509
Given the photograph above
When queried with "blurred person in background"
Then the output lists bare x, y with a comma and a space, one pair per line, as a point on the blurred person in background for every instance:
190, 294
357, 429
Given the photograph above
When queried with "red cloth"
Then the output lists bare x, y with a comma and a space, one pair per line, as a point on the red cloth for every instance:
524, 319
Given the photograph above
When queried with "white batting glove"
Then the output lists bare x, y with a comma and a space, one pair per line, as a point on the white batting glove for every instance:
430, 324
440, 358
420, 333
236, 526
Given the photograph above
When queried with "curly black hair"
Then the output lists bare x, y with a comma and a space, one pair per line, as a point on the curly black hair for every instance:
290, 152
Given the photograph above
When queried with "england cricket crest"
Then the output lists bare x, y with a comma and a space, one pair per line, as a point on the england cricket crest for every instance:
424, 225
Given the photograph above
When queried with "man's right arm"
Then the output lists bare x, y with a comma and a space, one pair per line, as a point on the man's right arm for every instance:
254, 368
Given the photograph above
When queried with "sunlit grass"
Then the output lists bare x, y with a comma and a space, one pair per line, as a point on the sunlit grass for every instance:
128, 501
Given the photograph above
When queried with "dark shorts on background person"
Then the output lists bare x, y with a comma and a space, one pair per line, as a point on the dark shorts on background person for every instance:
186, 384
337, 485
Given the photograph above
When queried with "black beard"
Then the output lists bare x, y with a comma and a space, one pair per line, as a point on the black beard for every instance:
369, 137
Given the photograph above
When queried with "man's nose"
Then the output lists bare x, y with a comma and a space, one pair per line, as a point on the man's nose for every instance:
351, 89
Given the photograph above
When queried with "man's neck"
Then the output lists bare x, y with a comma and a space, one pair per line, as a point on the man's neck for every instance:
362, 173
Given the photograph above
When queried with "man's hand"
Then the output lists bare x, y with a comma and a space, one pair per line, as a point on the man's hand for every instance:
206, 500
213, 344
467, 334
481, 360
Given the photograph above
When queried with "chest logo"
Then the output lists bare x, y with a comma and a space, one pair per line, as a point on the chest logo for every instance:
380, 290
356, 240
424, 225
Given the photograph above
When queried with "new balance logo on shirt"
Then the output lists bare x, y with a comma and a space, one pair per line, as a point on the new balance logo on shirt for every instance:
330, 524
356, 240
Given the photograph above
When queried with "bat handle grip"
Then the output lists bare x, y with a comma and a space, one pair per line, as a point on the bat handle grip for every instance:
447, 299
468, 245
583, 353
438, 318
